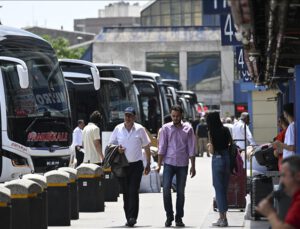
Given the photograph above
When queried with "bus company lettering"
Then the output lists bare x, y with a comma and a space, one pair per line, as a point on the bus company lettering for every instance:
47, 137
50, 98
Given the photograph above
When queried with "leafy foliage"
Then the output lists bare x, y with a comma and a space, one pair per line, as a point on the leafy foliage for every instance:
61, 47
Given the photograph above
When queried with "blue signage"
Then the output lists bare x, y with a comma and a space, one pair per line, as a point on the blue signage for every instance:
215, 7
241, 64
228, 30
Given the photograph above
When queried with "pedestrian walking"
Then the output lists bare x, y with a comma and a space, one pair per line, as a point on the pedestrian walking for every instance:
176, 147
238, 132
77, 141
202, 137
91, 140
219, 141
131, 137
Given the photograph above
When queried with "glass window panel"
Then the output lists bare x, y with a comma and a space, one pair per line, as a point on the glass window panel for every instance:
155, 21
197, 19
164, 63
204, 71
165, 8
196, 6
187, 6
146, 12
175, 7
155, 8
187, 19
165, 20
176, 20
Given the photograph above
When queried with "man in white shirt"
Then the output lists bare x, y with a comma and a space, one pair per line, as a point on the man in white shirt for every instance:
91, 140
131, 138
288, 148
238, 131
77, 141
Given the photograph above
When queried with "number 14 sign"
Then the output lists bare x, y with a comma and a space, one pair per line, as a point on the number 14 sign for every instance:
228, 30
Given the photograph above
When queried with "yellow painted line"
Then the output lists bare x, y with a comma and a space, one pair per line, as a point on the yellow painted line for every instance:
23, 196
107, 170
3, 204
57, 184
88, 176
72, 180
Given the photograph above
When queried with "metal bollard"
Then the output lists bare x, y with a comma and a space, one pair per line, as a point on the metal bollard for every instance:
26, 204
59, 212
42, 181
73, 191
111, 186
5, 208
91, 193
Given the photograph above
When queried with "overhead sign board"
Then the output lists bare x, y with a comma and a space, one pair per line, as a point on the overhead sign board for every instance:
228, 30
215, 7
241, 64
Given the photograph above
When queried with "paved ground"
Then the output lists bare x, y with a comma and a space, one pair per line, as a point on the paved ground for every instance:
198, 208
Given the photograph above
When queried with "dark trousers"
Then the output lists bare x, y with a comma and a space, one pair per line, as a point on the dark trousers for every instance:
79, 156
131, 185
181, 174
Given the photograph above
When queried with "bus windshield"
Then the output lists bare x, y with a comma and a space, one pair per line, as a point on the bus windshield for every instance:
131, 92
46, 96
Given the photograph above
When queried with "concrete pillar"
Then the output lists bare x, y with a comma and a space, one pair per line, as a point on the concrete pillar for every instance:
183, 68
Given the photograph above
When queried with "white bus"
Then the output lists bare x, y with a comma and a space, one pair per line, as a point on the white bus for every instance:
35, 112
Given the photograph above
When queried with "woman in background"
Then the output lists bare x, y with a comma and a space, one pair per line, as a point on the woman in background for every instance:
219, 140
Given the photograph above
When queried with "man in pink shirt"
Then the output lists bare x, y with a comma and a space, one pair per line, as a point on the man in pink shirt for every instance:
176, 147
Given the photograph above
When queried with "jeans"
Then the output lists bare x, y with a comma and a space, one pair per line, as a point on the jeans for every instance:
181, 174
131, 185
220, 175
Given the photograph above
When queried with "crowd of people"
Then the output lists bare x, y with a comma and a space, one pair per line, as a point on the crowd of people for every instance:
178, 145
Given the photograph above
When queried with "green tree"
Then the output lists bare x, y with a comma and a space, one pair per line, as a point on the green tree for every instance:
61, 46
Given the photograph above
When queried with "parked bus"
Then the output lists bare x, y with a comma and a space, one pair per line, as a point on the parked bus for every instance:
117, 92
153, 99
35, 113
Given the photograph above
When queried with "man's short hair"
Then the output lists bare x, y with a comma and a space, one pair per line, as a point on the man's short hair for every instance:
80, 121
293, 162
95, 117
177, 108
244, 115
289, 109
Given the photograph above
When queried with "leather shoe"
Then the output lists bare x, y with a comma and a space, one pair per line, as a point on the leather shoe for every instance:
168, 222
131, 222
179, 223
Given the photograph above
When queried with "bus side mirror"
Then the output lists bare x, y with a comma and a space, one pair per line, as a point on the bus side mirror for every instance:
23, 76
96, 78
21, 69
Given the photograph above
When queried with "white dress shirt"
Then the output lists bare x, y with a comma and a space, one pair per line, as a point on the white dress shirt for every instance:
132, 140
77, 137
289, 140
238, 133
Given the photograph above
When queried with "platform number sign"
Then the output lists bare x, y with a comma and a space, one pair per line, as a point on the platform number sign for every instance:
241, 64
215, 6
228, 30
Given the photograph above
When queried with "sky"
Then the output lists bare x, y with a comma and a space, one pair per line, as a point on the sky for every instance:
51, 14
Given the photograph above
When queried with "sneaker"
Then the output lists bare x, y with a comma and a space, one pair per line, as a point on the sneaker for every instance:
168, 222
179, 223
220, 223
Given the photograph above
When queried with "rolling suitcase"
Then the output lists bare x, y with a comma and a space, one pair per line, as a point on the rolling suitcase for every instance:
261, 187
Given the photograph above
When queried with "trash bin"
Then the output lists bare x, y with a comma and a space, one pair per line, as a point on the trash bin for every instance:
5, 208
26, 204
111, 186
91, 193
73, 191
42, 181
59, 199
